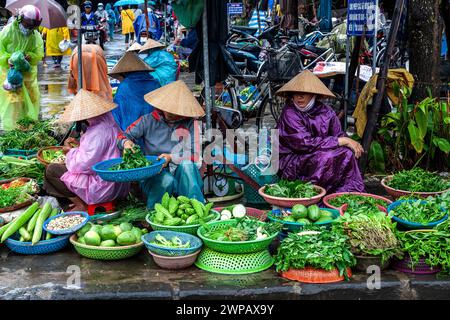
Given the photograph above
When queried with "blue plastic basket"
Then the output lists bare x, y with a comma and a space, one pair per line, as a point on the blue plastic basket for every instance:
71, 230
102, 169
42, 247
195, 243
295, 226
413, 225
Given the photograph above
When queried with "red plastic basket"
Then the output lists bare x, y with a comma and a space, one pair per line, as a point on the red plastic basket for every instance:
400, 193
312, 275
343, 208
290, 202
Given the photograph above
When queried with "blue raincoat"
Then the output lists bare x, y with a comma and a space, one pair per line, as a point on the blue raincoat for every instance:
164, 65
130, 98
140, 25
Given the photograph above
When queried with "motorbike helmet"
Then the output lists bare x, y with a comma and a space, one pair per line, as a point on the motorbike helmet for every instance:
87, 4
30, 16
100, 5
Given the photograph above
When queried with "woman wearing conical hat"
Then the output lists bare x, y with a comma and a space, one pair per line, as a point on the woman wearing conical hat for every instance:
75, 179
135, 82
171, 132
313, 146
162, 62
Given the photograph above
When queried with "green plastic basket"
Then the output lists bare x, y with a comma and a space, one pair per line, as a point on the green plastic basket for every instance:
191, 229
225, 263
251, 195
106, 253
237, 246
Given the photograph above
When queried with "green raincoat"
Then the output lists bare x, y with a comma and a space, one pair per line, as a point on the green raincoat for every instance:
15, 105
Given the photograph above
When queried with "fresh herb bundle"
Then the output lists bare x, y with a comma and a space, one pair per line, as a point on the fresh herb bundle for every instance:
12, 196
292, 189
370, 235
433, 246
132, 159
321, 249
246, 229
11, 167
418, 180
418, 211
357, 201
29, 135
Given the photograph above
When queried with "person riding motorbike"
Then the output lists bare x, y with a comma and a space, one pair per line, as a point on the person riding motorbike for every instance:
103, 27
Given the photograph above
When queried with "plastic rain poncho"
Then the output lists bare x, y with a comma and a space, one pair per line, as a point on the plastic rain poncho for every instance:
309, 150
15, 105
97, 144
164, 65
54, 37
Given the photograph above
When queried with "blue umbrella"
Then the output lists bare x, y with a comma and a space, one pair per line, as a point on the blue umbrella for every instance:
128, 3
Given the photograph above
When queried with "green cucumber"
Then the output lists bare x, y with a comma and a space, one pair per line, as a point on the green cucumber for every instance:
24, 233
32, 222
48, 236
45, 212
20, 221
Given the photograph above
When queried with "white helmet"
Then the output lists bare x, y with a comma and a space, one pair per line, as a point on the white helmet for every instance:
31, 14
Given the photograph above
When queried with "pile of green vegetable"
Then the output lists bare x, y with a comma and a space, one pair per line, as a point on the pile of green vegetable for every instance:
110, 235
181, 211
418, 212
132, 210
30, 224
418, 180
29, 135
371, 235
12, 196
291, 189
11, 167
132, 159
174, 242
357, 203
432, 246
245, 229
304, 215
53, 156
317, 248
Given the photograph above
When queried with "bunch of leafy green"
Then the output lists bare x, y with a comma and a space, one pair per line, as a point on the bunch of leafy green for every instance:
246, 229
317, 248
370, 234
132, 159
418, 211
357, 203
433, 246
418, 180
291, 189
11, 167
12, 196
29, 135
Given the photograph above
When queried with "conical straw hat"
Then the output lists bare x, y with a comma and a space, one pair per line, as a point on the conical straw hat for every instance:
135, 47
130, 62
151, 44
175, 98
86, 105
305, 82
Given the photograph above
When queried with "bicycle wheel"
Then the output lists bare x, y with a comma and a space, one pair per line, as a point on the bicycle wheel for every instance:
269, 112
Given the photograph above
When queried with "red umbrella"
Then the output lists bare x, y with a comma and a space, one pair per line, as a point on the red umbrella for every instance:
53, 14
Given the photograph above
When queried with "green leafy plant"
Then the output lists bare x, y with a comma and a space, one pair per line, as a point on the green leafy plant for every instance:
416, 134
292, 189
355, 202
132, 159
371, 234
433, 246
418, 180
317, 248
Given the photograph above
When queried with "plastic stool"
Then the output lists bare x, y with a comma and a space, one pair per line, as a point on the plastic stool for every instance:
106, 207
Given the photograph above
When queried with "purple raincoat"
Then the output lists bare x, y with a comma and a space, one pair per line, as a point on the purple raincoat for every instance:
97, 144
309, 150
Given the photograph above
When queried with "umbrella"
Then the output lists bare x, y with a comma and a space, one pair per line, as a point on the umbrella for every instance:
128, 3
53, 14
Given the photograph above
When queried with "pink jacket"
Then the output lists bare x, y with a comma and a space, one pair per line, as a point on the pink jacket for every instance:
97, 144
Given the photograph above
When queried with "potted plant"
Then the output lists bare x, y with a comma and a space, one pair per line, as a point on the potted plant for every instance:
371, 237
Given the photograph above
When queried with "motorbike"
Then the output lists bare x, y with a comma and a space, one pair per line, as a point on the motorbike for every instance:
91, 34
